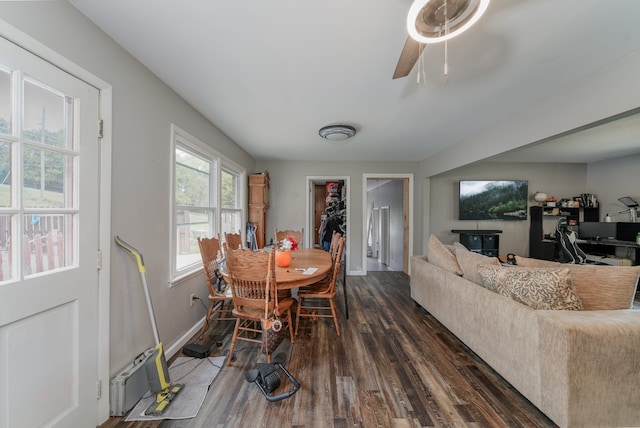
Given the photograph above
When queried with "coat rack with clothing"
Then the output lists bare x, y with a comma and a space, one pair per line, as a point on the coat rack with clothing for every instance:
334, 217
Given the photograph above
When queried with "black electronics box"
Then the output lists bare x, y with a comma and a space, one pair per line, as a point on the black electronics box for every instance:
195, 350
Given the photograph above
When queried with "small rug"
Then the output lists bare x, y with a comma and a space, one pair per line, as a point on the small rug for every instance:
196, 374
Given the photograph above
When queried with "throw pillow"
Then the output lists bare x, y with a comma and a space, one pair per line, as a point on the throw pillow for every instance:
494, 279
440, 256
545, 288
599, 287
469, 261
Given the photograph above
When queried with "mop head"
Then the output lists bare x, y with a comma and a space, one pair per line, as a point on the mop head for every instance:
163, 399
159, 382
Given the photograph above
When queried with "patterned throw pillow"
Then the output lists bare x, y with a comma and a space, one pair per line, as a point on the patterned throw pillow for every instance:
599, 287
544, 288
494, 279
440, 256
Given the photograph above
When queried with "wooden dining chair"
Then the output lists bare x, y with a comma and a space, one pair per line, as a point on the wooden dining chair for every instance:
252, 279
297, 235
233, 240
333, 249
220, 301
319, 300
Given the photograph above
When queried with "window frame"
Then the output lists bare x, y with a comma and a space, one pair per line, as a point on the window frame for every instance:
241, 192
180, 139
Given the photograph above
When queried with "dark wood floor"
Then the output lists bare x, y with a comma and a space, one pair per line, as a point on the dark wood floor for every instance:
393, 366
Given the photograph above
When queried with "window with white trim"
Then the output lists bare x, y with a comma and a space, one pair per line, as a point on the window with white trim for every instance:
207, 199
231, 198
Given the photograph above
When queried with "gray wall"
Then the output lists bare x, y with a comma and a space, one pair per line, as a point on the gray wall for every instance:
559, 180
143, 110
288, 197
612, 179
608, 180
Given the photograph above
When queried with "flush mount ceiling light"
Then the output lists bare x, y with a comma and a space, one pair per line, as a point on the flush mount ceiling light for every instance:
337, 132
434, 21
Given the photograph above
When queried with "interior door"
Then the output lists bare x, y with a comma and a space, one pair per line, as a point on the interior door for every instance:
319, 198
384, 235
375, 247
49, 237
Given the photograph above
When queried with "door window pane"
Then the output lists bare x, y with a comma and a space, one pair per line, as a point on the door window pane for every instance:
44, 176
5, 174
44, 242
47, 116
5, 102
5, 248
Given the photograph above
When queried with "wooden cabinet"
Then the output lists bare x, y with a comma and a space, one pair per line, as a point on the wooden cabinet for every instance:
545, 248
259, 204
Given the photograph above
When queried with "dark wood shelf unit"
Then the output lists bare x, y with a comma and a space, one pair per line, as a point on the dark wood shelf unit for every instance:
545, 249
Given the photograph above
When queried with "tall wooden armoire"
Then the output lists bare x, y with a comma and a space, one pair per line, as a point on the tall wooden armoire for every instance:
258, 205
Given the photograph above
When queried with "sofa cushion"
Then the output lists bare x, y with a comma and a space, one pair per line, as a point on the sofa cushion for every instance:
544, 288
599, 287
469, 261
441, 256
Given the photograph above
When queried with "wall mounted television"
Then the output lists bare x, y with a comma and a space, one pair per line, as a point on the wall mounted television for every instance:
493, 200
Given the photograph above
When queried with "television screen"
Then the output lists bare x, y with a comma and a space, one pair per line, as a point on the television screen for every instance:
493, 200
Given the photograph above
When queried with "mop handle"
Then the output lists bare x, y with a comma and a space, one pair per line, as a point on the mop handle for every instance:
143, 275
133, 251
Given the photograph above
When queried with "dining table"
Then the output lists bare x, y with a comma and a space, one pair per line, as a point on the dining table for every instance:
308, 266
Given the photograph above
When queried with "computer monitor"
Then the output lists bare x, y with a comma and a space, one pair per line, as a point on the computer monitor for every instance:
627, 231
596, 230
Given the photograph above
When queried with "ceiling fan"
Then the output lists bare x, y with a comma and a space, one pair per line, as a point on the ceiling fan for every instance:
435, 21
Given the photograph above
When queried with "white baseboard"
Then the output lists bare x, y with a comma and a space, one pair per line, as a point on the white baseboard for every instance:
176, 347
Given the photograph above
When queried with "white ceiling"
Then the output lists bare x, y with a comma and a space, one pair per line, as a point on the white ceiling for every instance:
269, 74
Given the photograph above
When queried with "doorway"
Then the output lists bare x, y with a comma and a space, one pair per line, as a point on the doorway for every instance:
327, 196
387, 226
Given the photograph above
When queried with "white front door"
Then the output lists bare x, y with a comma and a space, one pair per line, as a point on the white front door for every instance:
49, 176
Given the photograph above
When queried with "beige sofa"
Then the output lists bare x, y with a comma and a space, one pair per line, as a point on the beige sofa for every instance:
580, 367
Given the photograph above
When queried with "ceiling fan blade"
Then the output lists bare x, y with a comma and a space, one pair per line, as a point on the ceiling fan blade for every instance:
408, 57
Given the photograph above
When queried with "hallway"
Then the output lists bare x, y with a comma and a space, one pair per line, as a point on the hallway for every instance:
374, 265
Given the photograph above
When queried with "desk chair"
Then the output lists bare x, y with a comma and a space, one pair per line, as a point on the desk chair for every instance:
569, 250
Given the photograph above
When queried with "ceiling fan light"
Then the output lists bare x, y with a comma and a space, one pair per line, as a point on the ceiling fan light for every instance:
416, 9
337, 132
